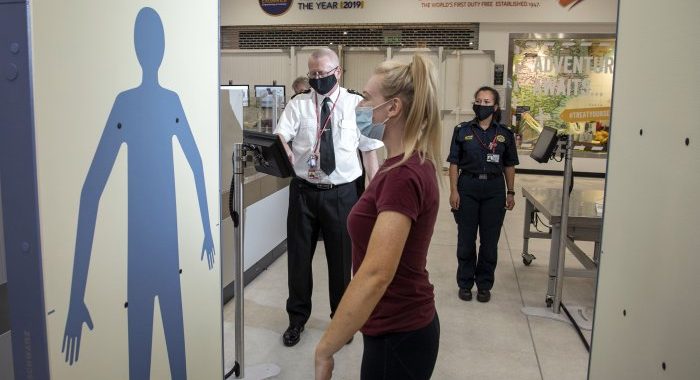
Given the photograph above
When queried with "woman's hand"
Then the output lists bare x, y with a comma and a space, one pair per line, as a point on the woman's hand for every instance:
510, 201
324, 365
454, 200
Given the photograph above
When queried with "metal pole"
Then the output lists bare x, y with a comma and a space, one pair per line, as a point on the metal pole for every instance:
238, 218
568, 174
262, 371
458, 108
275, 111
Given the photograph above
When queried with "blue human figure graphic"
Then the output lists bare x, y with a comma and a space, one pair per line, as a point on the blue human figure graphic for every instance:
144, 118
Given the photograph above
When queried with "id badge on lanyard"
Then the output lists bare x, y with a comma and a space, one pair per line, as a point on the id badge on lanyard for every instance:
313, 166
491, 156
313, 159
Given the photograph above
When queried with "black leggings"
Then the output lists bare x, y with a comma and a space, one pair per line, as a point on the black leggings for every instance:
401, 356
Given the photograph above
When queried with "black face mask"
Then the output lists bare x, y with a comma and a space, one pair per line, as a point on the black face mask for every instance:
323, 85
483, 112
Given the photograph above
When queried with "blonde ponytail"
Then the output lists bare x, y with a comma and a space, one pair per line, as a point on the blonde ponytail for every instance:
416, 85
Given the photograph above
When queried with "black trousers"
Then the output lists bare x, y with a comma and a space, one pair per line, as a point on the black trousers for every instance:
482, 208
312, 210
401, 356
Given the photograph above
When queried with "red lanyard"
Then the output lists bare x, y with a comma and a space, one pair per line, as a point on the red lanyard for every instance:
322, 128
491, 146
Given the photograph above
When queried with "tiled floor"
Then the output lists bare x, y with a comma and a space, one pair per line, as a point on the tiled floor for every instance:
478, 341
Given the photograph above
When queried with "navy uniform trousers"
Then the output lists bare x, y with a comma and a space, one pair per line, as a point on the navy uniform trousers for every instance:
481, 208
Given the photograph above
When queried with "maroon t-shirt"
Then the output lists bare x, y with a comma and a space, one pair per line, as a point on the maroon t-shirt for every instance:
410, 189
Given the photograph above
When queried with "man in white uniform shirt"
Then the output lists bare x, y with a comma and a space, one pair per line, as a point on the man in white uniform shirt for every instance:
325, 141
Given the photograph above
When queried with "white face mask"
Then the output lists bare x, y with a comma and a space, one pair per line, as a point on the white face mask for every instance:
363, 118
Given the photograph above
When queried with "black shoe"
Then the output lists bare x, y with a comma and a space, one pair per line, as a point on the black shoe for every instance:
483, 295
465, 294
292, 335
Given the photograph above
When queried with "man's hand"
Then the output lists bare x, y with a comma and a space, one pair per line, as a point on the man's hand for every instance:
77, 315
290, 154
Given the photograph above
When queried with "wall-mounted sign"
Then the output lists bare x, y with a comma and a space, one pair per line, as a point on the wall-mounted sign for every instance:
496, 4
419, 11
275, 7
498, 70
566, 83
330, 5
577, 115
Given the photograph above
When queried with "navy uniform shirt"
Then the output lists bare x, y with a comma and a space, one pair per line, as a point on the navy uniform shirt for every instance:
469, 147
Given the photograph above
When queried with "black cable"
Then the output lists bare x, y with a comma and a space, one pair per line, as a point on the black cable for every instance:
235, 370
236, 220
538, 221
571, 185
234, 214
578, 329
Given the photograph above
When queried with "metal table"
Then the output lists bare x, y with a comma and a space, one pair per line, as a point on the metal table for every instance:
585, 224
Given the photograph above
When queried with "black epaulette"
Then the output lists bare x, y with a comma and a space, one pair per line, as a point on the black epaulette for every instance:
506, 128
462, 124
355, 93
303, 92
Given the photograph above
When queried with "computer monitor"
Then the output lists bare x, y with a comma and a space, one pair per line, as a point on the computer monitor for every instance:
269, 154
244, 88
265, 93
545, 145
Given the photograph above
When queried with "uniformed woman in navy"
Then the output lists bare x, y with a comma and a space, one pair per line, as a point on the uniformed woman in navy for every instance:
482, 174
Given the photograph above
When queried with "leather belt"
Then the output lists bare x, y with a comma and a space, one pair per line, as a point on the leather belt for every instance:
482, 176
318, 186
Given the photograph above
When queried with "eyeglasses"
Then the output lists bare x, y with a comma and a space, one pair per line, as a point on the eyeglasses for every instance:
321, 74
482, 103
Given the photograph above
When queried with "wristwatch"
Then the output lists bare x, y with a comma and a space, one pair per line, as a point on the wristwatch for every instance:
510, 192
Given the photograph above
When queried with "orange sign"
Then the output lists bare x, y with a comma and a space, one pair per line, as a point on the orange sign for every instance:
577, 115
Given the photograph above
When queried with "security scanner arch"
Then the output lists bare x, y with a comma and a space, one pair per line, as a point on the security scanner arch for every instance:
124, 161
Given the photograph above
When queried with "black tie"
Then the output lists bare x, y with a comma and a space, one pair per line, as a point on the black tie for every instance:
327, 153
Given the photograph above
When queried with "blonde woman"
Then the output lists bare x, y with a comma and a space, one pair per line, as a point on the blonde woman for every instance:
390, 299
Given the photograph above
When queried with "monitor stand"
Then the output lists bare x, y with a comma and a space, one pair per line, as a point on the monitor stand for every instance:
260, 371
